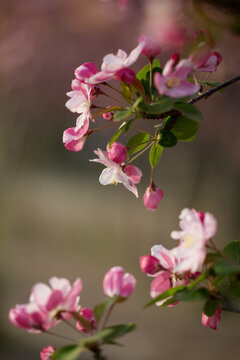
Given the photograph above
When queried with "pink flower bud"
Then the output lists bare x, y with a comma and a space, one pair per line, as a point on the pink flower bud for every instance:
47, 352
109, 115
116, 283
125, 75
89, 315
152, 197
149, 264
151, 48
117, 153
175, 57
213, 320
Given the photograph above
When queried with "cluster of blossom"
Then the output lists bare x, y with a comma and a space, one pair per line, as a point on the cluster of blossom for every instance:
183, 263
172, 82
49, 305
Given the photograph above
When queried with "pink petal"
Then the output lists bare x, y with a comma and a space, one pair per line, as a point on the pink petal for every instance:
101, 76
40, 294
183, 68
54, 300
134, 173
128, 285
134, 54
112, 281
184, 89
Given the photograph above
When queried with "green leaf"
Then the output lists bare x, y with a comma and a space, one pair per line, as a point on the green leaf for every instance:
234, 290
122, 115
100, 308
69, 352
218, 280
233, 250
158, 108
191, 294
155, 154
141, 75
117, 134
129, 124
127, 92
168, 139
188, 110
137, 143
211, 306
222, 267
184, 128
109, 334
166, 294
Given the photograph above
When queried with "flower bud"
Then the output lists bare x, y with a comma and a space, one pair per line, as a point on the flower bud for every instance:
212, 321
88, 315
109, 115
116, 283
152, 197
117, 153
85, 71
47, 352
151, 48
125, 75
149, 264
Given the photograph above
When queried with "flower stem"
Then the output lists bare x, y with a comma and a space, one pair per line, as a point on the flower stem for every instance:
102, 127
140, 153
110, 97
112, 87
110, 309
58, 335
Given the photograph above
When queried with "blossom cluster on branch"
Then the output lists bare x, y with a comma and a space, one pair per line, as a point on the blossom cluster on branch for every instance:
154, 93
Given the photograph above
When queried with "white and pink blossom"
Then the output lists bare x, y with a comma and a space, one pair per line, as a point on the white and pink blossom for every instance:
196, 229
212, 321
117, 283
74, 139
172, 82
115, 173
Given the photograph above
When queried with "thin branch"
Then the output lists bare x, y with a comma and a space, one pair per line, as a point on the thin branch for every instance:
207, 93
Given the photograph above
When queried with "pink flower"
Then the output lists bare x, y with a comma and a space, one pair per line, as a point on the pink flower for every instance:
112, 64
151, 47
114, 173
165, 257
74, 139
47, 352
89, 315
212, 63
213, 320
172, 82
125, 75
29, 317
197, 229
149, 264
116, 283
204, 60
60, 296
117, 153
152, 197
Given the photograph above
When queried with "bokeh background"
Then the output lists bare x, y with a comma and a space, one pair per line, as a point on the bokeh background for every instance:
55, 217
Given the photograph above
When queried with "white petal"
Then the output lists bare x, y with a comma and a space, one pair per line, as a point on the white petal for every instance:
108, 176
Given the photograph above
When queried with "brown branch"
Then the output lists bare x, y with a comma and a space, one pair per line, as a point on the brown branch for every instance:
208, 93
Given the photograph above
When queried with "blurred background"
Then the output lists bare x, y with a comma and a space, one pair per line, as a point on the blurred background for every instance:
55, 217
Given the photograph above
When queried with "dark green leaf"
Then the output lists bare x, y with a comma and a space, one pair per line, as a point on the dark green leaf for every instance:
218, 280
129, 124
191, 294
99, 309
137, 143
168, 139
166, 294
127, 92
234, 290
233, 250
211, 306
117, 133
155, 154
158, 108
122, 115
188, 110
69, 352
141, 75
222, 267
184, 128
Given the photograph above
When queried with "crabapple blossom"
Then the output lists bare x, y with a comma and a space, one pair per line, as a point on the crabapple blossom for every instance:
212, 62
109, 115
172, 82
89, 315
74, 139
149, 264
47, 352
204, 60
212, 321
112, 64
117, 153
85, 71
152, 197
165, 257
125, 75
30, 317
60, 296
118, 283
197, 229
114, 173
151, 48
